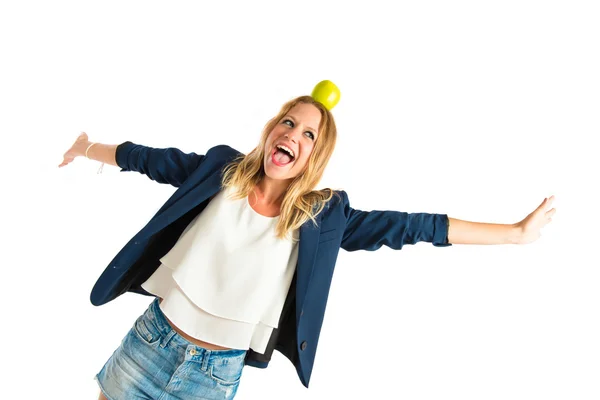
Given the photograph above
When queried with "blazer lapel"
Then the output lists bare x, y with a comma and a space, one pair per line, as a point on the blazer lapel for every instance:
183, 204
309, 237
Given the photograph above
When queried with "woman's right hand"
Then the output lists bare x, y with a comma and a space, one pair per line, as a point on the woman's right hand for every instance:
78, 149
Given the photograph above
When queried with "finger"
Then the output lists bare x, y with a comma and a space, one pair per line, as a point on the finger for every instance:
547, 202
551, 212
66, 160
543, 203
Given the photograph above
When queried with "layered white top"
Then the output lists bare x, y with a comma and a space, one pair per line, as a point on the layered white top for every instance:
227, 277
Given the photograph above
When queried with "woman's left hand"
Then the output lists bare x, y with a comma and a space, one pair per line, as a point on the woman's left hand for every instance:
530, 226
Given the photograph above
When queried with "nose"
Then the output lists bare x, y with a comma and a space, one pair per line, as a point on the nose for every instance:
292, 135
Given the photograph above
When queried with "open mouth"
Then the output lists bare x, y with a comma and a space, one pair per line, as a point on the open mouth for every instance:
281, 156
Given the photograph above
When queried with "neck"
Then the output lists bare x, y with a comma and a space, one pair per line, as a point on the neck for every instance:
270, 191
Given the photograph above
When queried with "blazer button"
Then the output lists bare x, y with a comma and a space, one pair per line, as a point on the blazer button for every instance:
303, 346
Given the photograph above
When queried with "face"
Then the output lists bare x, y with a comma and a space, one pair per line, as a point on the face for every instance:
297, 130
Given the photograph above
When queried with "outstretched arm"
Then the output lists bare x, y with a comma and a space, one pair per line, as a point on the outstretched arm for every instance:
523, 232
105, 153
163, 165
467, 232
369, 230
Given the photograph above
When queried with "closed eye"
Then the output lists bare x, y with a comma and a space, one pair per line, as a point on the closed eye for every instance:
291, 125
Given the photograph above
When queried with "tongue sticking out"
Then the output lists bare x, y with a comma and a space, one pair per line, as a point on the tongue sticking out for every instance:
282, 157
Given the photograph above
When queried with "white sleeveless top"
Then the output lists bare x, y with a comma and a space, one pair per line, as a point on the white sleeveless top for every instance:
227, 277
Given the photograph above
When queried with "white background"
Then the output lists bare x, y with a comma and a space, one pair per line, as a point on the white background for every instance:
473, 109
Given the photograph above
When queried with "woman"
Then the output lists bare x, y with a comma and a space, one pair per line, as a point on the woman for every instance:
240, 258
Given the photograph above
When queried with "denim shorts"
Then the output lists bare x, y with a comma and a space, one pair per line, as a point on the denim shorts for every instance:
155, 362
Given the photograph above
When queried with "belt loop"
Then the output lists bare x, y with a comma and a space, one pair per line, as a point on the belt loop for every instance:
167, 338
205, 359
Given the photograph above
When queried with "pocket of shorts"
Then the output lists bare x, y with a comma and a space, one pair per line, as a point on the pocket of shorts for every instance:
148, 334
228, 374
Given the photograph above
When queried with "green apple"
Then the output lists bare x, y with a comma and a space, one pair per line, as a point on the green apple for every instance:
326, 93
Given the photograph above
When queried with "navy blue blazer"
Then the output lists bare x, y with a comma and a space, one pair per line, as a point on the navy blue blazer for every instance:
198, 179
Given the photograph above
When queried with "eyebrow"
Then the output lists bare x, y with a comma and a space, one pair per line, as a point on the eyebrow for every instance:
295, 119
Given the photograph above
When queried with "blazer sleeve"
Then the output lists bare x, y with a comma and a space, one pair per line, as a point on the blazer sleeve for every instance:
369, 230
167, 165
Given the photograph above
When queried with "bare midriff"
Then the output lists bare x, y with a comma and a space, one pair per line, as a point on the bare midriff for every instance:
197, 342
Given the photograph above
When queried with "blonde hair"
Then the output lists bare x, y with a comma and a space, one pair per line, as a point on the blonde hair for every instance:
300, 202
